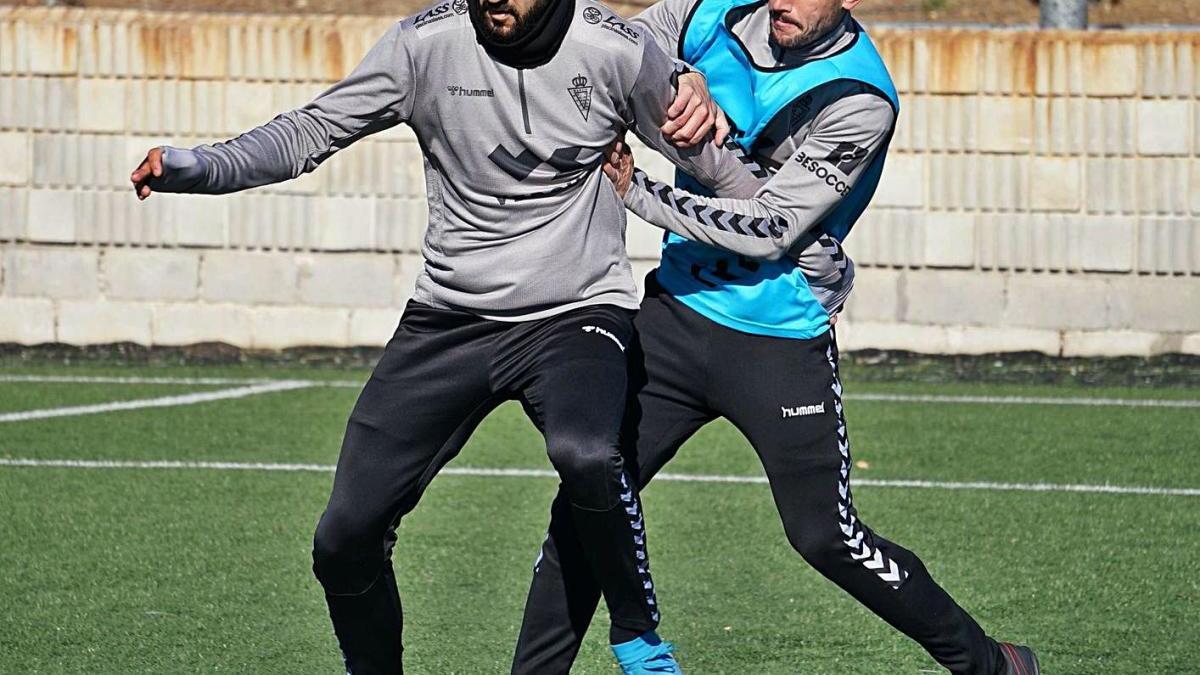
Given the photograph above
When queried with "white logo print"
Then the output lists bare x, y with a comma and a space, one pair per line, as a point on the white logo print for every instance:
803, 411
601, 331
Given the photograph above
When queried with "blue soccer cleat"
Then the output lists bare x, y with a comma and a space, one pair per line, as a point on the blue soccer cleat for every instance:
647, 655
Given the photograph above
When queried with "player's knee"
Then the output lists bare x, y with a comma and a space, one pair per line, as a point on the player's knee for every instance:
820, 547
344, 561
589, 468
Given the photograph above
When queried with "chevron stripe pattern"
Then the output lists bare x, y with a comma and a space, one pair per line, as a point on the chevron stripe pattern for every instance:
685, 204
634, 511
856, 537
833, 248
745, 158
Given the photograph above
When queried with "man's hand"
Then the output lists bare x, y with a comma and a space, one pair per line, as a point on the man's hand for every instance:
151, 167
693, 114
618, 165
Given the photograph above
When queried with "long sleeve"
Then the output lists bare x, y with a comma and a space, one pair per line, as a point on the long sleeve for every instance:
724, 170
824, 168
377, 95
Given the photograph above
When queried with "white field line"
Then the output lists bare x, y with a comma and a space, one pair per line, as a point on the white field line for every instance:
540, 473
161, 402
891, 398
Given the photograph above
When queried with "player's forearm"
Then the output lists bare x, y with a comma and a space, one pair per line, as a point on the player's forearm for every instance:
745, 227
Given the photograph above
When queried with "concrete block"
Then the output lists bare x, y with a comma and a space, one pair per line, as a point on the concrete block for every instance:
1112, 186
1111, 126
1162, 185
248, 278
90, 323
60, 97
148, 274
1110, 69
1002, 180
193, 323
200, 220
56, 273
1009, 63
957, 117
1059, 126
15, 167
103, 106
990, 340
13, 208
953, 298
903, 182
1164, 127
952, 59
953, 182
1165, 245
861, 335
353, 280
1056, 184
247, 105
1056, 302
373, 327
876, 295
949, 240
27, 321
52, 216
53, 48
1106, 244
343, 224
1006, 124
1091, 344
1163, 304
283, 327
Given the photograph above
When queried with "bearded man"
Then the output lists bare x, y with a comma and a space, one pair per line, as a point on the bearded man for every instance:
526, 292
739, 325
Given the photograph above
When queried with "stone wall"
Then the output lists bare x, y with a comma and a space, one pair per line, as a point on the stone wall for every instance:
1043, 192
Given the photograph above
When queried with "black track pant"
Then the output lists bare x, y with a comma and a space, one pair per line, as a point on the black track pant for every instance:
441, 373
785, 396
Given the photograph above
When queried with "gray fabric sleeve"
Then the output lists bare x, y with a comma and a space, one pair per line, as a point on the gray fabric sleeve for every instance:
664, 21
718, 168
377, 95
843, 142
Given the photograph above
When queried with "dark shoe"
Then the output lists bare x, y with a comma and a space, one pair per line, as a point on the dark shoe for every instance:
1019, 660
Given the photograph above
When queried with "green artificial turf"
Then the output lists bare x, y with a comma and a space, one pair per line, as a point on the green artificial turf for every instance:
163, 570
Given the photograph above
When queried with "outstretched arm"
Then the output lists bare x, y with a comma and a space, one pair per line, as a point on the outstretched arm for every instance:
774, 217
377, 95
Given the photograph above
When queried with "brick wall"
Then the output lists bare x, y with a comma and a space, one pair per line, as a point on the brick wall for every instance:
1043, 191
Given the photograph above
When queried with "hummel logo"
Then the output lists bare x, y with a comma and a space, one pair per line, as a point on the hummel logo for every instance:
803, 411
600, 331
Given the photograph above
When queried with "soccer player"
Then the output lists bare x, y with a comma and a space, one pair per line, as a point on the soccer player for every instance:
737, 322
526, 294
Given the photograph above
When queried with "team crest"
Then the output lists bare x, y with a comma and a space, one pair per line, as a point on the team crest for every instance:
581, 94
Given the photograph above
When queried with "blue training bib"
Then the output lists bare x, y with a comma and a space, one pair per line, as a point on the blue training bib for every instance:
759, 296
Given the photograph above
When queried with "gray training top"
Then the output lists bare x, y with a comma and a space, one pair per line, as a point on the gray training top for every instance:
522, 222
840, 112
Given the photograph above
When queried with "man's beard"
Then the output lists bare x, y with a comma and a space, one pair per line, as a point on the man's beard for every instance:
522, 23
810, 33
